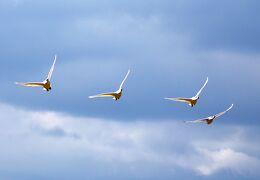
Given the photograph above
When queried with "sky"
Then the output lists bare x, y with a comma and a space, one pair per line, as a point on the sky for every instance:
171, 47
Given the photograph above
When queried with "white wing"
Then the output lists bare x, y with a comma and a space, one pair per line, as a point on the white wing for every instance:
204, 120
52, 68
110, 94
121, 85
187, 100
221, 113
197, 95
32, 84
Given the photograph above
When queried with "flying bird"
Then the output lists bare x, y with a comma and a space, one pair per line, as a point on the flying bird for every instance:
46, 84
191, 101
209, 119
116, 95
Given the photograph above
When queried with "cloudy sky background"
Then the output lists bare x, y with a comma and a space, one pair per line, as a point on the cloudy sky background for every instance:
170, 47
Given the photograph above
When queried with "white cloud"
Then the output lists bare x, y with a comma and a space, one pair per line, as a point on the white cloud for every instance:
123, 145
228, 159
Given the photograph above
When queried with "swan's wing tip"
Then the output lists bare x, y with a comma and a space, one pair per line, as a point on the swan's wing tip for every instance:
54, 61
171, 99
188, 122
19, 83
128, 72
230, 107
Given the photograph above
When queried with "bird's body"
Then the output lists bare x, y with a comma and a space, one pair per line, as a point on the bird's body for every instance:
115, 95
209, 119
191, 101
46, 84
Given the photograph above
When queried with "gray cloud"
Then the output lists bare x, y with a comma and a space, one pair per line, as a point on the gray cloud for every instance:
56, 132
209, 25
114, 149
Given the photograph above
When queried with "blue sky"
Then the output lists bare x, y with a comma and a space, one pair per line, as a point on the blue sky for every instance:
170, 47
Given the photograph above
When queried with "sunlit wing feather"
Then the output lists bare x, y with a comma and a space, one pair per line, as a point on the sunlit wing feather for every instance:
187, 100
197, 95
203, 120
32, 84
122, 83
110, 94
52, 68
221, 113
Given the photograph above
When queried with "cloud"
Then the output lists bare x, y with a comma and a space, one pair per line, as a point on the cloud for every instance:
170, 46
57, 132
228, 159
150, 146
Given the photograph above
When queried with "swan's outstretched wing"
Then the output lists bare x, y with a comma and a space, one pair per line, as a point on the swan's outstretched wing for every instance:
187, 100
221, 113
52, 68
32, 84
203, 120
197, 95
109, 94
121, 85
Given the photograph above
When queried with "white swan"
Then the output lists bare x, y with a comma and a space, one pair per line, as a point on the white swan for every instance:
46, 84
191, 101
117, 94
209, 119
